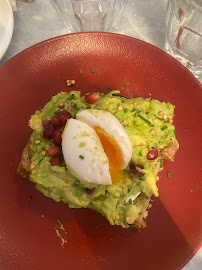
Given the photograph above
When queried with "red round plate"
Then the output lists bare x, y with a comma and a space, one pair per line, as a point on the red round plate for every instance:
28, 220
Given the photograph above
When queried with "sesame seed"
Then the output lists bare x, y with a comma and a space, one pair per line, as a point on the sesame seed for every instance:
127, 219
32, 166
170, 121
66, 109
149, 206
160, 113
134, 104
117, 218
43, 153
92, 106
61, 105
165, 116
70, 82
125, 123
157, 178
120, 108
143, 146
152, 132
37, 141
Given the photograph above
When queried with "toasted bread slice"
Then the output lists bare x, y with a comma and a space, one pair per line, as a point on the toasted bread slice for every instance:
24, 170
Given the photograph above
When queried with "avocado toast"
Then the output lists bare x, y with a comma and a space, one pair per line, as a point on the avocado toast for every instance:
149, 125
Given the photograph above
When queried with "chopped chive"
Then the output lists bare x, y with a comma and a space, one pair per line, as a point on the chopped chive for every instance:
81, 157
75, 107
122, 100
93, 70
96, 226
125, 110
174, 132
59, 220
147, 112
168, 174
164, 127
161, 163
147, 121
71, 97
127, 84
142, 179
133, 110
81, 71
57, 113
130, 201
140, 153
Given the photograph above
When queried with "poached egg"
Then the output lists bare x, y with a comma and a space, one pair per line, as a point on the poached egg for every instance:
96, 147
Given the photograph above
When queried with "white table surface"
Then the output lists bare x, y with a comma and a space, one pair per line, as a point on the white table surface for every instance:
142, 19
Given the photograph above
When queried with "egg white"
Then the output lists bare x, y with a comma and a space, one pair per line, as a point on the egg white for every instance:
112, 127
84, 154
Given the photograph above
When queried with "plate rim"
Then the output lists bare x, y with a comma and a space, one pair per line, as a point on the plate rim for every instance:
46, 41
105, 34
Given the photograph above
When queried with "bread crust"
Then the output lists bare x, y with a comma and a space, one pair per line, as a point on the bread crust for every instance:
24, 166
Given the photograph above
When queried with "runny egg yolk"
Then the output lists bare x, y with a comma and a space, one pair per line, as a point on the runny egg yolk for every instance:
114, 155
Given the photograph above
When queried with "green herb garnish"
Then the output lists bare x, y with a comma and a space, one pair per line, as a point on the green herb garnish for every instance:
81, 157
161, 163
133, 110
127, 84
130, 201
125, 110
140, 153
71, 97
144, 119
96, 226
58, 220
93, 70
75, 107
57, 113
164, 127
81, 71
168, 174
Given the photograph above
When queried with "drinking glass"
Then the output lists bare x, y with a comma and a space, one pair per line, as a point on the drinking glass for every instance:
184, 33
90, 15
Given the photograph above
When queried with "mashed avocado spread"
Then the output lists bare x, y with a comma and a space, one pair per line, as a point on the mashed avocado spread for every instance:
147, 123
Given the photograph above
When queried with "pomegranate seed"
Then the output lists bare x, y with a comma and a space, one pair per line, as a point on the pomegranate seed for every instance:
48, 132
90, 191
55, 161
57, 139
152, 154
92, 97
63, 117
134, 169
54, 151
55, 121
45, 123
